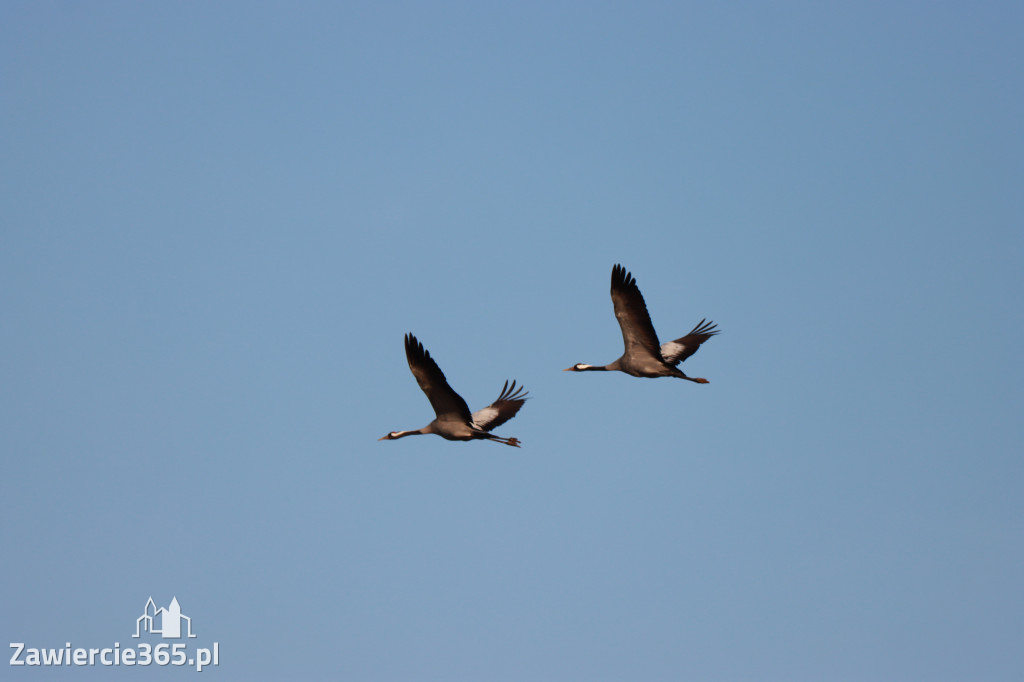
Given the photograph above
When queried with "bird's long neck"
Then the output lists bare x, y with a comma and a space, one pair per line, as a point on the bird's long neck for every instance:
416, 432
596, 368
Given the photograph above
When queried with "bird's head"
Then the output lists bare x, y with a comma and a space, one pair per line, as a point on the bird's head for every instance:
578, 367
391, 436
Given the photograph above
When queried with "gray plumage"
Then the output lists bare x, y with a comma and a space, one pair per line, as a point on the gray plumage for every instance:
644, 356
454, 420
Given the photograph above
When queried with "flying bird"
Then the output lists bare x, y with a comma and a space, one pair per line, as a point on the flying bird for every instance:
644, 357
454, 421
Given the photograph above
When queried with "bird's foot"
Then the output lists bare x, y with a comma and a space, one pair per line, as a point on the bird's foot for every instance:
514, 442
701, 381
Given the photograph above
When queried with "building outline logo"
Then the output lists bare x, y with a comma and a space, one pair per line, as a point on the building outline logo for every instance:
165, 622
170, 620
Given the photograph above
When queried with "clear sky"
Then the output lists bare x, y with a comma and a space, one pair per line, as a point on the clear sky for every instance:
217, 221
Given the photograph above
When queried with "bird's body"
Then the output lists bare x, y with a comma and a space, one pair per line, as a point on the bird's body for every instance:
644, 356
454, 420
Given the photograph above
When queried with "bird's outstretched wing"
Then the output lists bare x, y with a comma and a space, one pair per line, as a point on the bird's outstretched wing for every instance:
502, 409
638, 333
448, 405
676, 351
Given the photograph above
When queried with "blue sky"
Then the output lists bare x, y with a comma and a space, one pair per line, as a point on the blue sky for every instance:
219, 219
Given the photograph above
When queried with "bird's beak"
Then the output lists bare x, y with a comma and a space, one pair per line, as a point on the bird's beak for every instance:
383, 438
569, 369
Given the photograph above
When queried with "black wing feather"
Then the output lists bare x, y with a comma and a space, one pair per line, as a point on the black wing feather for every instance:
676, 351
501, 410
448, 405
638, 335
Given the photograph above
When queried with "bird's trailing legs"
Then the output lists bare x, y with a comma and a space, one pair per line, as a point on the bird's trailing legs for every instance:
514, 442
